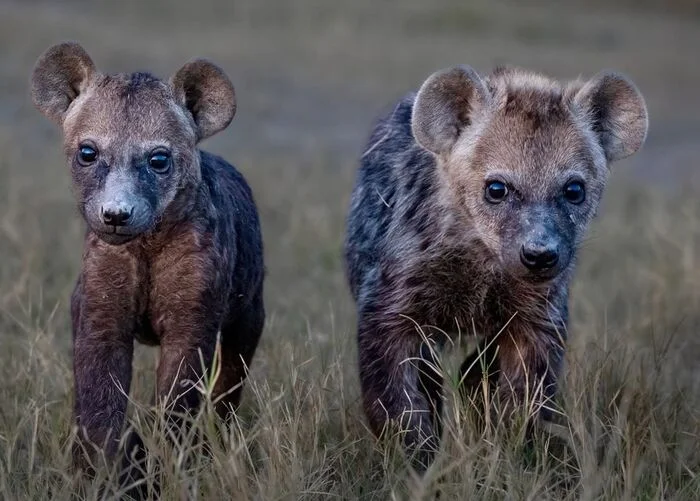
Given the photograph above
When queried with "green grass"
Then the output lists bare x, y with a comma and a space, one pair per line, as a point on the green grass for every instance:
310, 76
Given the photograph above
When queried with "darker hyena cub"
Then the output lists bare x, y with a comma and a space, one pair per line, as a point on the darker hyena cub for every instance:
471, 200
172, 253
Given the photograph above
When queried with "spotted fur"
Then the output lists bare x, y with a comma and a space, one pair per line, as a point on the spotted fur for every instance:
427, 256
189, 265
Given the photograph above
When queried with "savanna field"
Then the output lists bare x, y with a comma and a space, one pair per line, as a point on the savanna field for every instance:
310, 77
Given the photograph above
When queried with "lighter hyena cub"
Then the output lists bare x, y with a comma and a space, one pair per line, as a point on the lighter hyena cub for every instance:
173, 251
471, 200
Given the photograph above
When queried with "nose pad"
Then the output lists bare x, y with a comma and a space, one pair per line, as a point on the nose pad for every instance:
117, 216
538, 258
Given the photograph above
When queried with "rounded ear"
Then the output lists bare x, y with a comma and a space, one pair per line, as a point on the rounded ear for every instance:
206, 92
617, 113
445, 104
60, 75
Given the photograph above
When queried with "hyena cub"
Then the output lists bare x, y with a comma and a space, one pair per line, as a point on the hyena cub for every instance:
172, 254
471, 200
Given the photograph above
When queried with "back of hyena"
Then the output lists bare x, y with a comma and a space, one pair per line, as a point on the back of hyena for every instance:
173, 252
471, 200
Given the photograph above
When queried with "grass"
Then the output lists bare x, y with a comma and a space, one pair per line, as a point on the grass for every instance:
630, 417
310, 77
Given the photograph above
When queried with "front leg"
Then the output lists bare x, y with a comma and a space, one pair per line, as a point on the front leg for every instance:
102, 371
529, 362
187, 304
401, 385
102, 310
186, 355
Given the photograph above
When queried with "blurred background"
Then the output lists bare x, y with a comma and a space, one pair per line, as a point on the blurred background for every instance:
310, 77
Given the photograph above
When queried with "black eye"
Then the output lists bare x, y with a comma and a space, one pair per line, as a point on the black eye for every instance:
574, 192
496, 192
159, 161
87, 154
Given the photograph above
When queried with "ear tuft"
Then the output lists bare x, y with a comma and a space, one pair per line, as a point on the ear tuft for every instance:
204, 90
445, 104
617, 112
60, 75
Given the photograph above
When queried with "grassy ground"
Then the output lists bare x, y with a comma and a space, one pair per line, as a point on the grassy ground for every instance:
310, 76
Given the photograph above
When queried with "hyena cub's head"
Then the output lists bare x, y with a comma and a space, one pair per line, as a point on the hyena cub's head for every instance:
130, 138
526, 157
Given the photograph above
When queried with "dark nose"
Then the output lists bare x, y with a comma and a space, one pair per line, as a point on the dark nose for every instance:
116, 217
538, 258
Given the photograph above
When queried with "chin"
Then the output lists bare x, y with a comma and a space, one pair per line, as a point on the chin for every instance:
113, 238
521, 274
542, 278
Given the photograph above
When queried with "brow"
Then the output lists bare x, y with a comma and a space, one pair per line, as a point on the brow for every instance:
515, 178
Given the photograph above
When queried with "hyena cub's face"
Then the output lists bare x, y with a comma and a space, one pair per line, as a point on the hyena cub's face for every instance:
526, 158
130, 139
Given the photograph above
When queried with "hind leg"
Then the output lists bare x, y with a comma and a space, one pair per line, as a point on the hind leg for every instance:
239, 340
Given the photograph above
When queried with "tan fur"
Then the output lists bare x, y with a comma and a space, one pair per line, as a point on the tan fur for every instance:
429, 252
173, 249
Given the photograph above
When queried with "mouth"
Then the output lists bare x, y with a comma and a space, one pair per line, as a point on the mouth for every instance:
547, 275
542, 277
115, 235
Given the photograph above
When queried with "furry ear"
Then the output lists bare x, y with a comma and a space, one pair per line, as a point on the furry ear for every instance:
445, 104
617, 113
204, 90
60, 75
